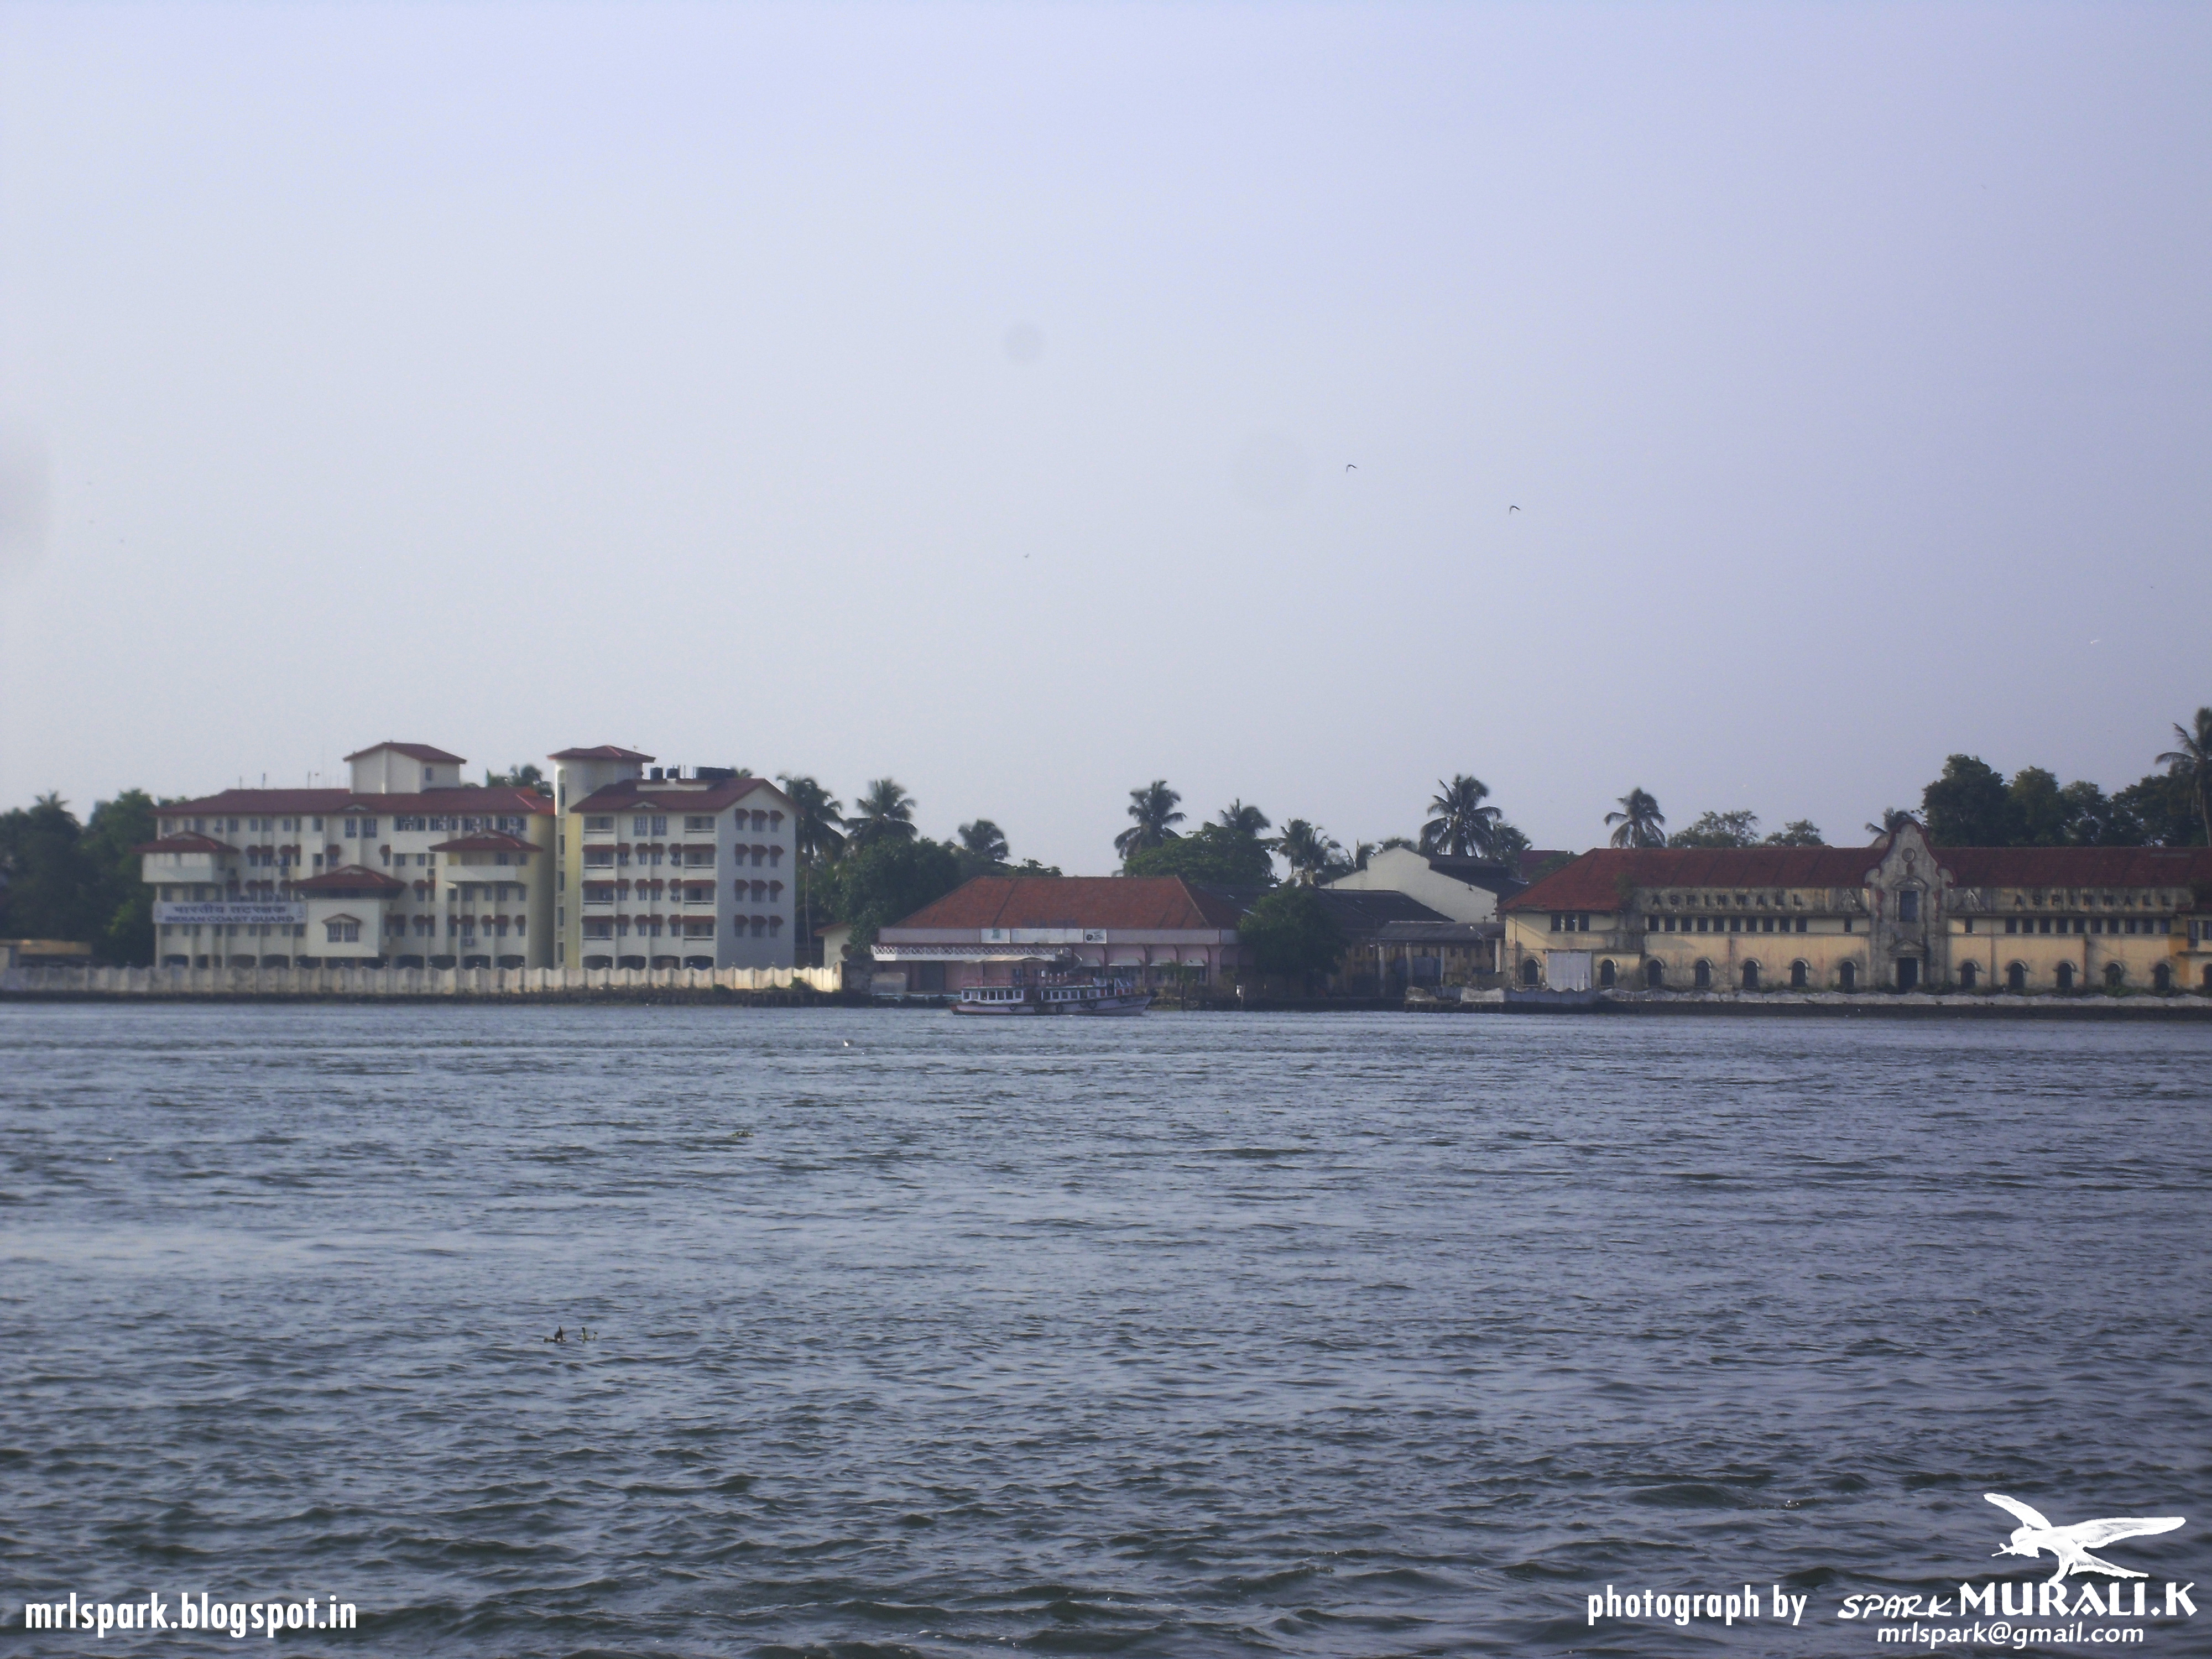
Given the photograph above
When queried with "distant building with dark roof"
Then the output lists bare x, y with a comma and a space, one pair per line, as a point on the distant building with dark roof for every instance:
1900, 914
1000, 930
1461, 889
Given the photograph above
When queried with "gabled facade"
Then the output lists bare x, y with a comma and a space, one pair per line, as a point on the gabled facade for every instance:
1900, 915
1463, 889
383, 874
659, 869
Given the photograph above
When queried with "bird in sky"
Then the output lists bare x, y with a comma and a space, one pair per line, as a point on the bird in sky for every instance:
1512, 509
2071, 1546
1351, 466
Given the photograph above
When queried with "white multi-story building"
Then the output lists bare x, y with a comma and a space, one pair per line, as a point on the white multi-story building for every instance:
409, 868
658, 870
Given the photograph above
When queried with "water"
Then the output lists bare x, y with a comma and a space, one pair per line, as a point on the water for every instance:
1190, 1335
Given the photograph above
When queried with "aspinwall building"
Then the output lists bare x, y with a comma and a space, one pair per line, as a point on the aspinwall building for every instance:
1900, 914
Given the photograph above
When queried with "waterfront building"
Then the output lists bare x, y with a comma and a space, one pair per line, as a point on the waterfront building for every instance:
1901, 914
659, 869
1003, 930
407, 867
1458, 889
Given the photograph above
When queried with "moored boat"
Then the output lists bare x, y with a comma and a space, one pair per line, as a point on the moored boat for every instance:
1056, 995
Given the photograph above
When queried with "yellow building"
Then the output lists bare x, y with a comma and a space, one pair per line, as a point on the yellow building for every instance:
1900, 915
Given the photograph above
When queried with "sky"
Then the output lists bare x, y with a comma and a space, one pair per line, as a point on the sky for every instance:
1300, 403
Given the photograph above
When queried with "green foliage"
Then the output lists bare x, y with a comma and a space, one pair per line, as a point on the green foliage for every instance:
884, 812
1967, 806
1738, 829
1972, 804
1639, 822
2158, 812
883, 880
1213, 853
1550, 866
1152, 810
70, 881
1462, 825
1798, 832
1289, 932
1311, 853
523, 776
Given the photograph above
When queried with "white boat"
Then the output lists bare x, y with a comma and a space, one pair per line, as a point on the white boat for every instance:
1055, 996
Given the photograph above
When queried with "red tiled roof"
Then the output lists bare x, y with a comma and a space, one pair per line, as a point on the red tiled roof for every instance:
1132, 902
352, 878
605, 752
465, 798
494, 843
1594, 881
183, 844
421, 751
630, 794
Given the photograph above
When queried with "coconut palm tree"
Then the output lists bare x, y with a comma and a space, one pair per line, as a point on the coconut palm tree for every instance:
1244, 820
1153, 808
984, 841
815, 826
2193, 760
884, 812
1307, 850
1462, 824
1641, 823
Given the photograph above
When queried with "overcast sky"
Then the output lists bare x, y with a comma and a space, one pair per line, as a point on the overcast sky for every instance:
968, 393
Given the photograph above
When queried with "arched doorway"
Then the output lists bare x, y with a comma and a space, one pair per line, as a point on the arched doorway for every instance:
2161, 979
1655, 976
1970, 975
2065, 977
1605, 975
1530, 974
2016, 977
1800, 975
1703, 976
1847, 977
2115, 975
1751, 977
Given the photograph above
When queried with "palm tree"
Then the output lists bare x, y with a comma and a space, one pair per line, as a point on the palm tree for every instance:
884, 812
1153, 807
984, 841
1462, 824
1641, 823
1244, 820
2193, 761
1307, 850
814, 830
1892, 818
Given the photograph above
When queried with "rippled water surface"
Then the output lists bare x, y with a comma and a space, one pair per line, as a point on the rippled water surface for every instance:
1189, 1335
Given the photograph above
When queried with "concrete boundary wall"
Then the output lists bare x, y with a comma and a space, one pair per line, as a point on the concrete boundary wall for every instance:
369, 983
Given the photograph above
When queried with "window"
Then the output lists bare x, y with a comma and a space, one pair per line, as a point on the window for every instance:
596, 824
1751, 977
699, 823
1703, 976
699, 857
343, 930
598, 858
1800, 975
698, 927
1850, 923
598, 928
2012, 924
1655, 976
353, 828
1847, 977
1908, 905
1800, 924
660, 826
641, 825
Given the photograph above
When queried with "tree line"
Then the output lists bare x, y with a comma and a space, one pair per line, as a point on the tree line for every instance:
1972, 804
